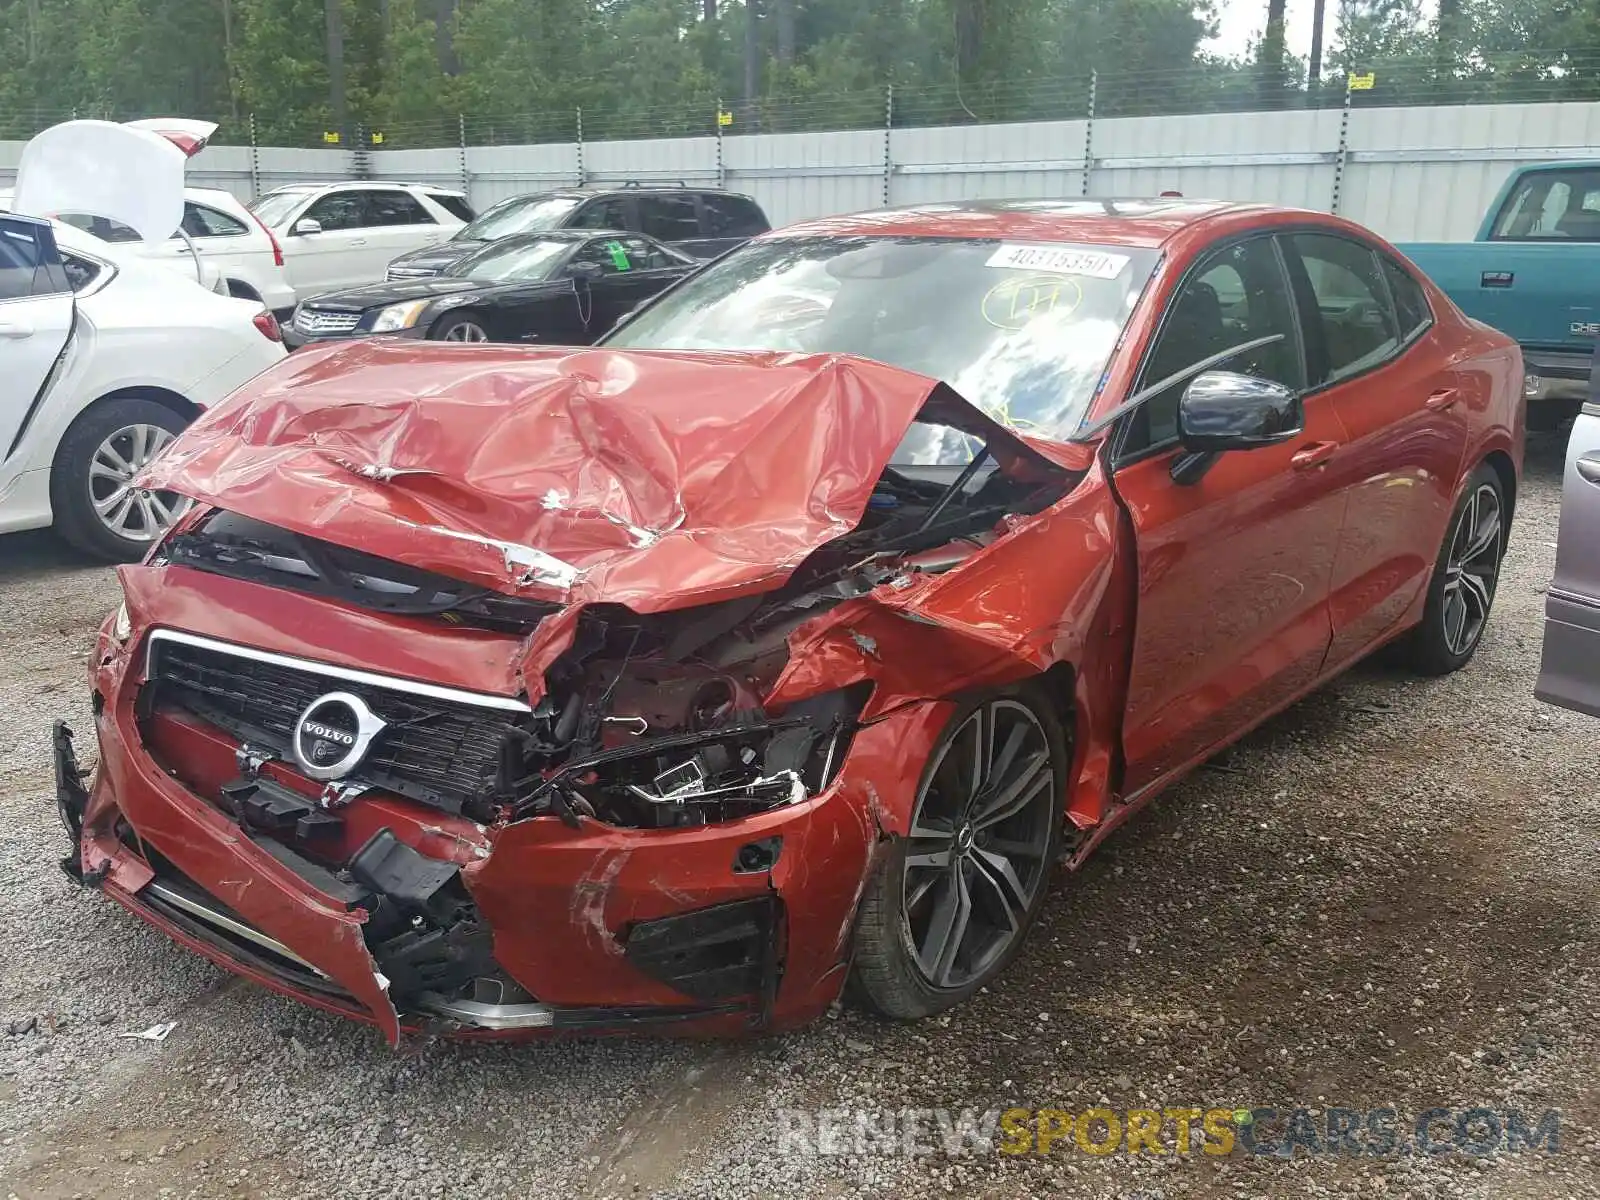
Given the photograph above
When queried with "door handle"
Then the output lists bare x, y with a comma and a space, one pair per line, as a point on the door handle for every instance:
358, 241
15, 329
1316, 454
1442, 399
1589, 466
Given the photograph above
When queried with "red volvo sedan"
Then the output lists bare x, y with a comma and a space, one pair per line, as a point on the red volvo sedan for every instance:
792, 634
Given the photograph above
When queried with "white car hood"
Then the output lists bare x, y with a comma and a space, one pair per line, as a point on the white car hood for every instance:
122, 172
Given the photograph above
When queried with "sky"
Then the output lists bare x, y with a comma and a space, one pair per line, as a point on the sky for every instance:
1239, 21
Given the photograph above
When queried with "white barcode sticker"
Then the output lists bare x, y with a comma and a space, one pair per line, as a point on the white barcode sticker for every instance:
1063, 260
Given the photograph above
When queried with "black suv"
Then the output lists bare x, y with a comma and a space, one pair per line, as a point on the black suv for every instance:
702, 222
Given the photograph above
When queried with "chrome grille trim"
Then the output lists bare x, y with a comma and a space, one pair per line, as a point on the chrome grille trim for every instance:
321, 322
408, 687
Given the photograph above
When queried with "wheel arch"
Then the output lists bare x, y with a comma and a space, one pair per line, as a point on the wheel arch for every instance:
1500, 463
174, 402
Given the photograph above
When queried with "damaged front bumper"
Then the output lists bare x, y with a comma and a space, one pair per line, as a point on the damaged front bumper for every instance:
570, 924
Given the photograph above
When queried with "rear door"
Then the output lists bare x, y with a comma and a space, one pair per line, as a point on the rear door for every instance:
725, 222
1403, 401
36, 315
673, 218
1569, 674
397, 223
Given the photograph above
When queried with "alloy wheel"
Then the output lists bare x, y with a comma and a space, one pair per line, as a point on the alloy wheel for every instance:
1472, 569
129, 512
466, 331
980, 838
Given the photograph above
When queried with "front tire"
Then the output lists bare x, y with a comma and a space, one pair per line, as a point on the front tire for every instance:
96, 507
949, 906
460, 327
1461, 592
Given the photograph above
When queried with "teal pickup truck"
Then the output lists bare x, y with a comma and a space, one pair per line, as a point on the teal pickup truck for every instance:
1533, 272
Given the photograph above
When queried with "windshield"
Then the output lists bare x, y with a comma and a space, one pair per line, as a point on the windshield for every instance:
1022, 331
521, 260
527, 215
275, 208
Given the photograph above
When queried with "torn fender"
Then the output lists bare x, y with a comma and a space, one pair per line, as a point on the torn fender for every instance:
1012, 610
652, 479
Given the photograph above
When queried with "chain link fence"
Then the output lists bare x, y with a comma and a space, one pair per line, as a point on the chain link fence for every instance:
1202, 86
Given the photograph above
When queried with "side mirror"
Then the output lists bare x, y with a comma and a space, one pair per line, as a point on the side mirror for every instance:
1223, 410
306, 225
584, 272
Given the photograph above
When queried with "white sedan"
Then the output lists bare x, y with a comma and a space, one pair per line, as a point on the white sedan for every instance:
104, 358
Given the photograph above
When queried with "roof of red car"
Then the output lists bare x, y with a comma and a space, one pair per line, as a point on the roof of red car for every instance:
1133, 222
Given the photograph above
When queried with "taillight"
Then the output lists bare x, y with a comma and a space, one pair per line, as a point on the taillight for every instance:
268, 324
277, 250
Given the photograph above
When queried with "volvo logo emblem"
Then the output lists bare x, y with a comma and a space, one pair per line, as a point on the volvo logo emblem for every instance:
332, 735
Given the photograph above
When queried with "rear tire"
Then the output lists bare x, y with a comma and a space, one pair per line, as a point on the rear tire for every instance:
977, 865
1461, 592
103, 449
243, 291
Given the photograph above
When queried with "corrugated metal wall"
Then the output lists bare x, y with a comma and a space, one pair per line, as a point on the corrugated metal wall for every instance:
1409, 173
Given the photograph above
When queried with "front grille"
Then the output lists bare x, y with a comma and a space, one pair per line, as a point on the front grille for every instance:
410, 273
447, 753
325, 322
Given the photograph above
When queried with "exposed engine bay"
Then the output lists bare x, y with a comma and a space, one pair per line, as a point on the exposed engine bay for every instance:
650, 720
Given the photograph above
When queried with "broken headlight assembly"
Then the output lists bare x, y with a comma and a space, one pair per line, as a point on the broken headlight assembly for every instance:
748, 766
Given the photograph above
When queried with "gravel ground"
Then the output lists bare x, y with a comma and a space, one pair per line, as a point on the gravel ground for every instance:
1382, 898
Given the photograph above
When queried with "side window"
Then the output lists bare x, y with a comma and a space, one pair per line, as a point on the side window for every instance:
609, 254
731, 216
456, 206
29, 263
1551, 206
337, 211
1357, 324
201, 222
1236, 295
82, 273
396, 208
669, 218
1410, 302
646, 256
103, 228
609, 212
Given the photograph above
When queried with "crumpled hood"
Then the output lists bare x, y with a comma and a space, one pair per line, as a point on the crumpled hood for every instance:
656, 479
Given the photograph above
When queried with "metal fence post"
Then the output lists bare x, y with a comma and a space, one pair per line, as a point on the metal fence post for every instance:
255, 161
360, 164
888, 140
466, 177
1344, 146
722, 167
581, 172
1088, 131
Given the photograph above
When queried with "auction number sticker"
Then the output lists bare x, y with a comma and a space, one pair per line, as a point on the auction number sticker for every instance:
1063, 260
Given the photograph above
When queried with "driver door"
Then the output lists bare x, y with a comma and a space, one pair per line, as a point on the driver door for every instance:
1235, 555
36, 316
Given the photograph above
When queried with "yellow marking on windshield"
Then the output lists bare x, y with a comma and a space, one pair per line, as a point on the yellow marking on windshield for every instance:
1012, 303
